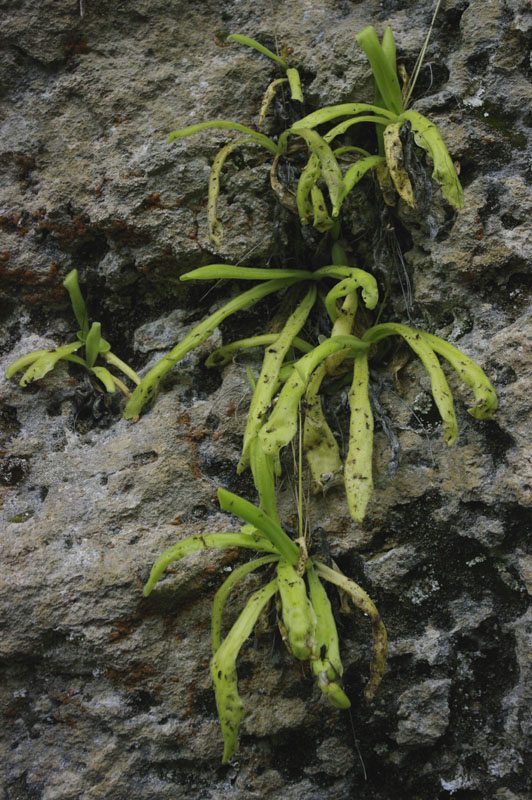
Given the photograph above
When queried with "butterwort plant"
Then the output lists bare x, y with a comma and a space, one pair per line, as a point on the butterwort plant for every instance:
285, 382
37, 364
304, 612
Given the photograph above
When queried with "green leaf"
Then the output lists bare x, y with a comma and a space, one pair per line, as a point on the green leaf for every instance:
471, 374
309, 176
281, 426
39, 368
236, 37
319, 445
106, 378
295, 84
78, 303
427, 136
358, 464
363, 602
224, 354
348, 285
330, 170
215, 226
148, 386
46, 362
329, 113
383, 70
328, 667
217, 272
393, 148
262, 469
269, 94
357, 172
262, 522
92, 343
297, 613
114, 361
224, 124
342, 127
220, 598
322, 221
269, 374
366, 281
439, 386
223, 669
24, 361
195, 543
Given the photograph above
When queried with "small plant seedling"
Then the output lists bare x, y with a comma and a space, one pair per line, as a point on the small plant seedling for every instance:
38, 363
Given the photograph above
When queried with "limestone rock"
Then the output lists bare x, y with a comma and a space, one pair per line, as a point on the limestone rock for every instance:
106, 694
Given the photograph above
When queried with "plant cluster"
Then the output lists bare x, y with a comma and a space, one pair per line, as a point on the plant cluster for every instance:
305, 615
286, 395
286, 404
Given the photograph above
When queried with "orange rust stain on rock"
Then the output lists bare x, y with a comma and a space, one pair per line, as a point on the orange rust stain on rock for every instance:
134, 674
38, 286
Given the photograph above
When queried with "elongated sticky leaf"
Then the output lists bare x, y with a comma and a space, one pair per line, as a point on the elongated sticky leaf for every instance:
322, 221
237, 37
295, 84
388, 47
223, 669
355, 173
330, 170
216, 272
220, 598
342, 127
224, 124
363, 602
309, 176
195, 543
343, 110
427, 136
328, 667
340, 151
114, 361
439, 386
319, 445
281, 426
215, 226
25, 361
46, 362
272, 530
148, 386
393, 148
108, 380
366, 281
343, 323
269, 94
269, 374
71, 284
358, 464
224, 354
471, 374
383, 71
263, 471
298, 617
92, 344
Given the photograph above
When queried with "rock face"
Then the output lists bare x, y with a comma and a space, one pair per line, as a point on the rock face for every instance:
107, 695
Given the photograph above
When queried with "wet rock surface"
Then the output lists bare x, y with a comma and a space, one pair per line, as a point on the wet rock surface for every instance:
105, 694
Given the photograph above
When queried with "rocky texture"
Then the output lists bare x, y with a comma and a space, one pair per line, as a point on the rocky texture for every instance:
107, 695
